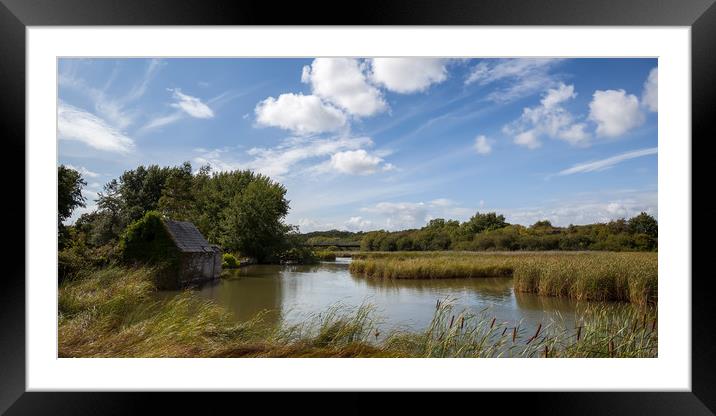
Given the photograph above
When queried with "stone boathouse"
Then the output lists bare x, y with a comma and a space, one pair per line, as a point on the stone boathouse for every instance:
198, 260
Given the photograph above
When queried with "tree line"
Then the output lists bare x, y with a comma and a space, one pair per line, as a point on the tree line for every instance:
490, 231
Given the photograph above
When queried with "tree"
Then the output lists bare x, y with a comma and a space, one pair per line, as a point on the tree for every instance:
646, 231
644, 224
69, 192
484, 222
253, 221
177, 197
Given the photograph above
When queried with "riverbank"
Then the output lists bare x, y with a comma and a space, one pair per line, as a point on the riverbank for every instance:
590, 276
112, 313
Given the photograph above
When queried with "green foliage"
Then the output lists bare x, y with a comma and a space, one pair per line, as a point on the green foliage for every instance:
484, 222
147, 242
298, 255
229, 261
177, 199
77, 258
494, 234
240, 210
69, 197
252, 221
69, 192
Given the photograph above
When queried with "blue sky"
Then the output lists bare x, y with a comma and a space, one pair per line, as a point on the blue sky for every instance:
386, 143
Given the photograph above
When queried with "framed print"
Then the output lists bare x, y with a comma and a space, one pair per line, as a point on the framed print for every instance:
397, 199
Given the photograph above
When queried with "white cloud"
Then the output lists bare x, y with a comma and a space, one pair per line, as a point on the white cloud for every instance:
355, 162
650, 96
609, 162
76, 124
299, 155
550, 119
84, 171
400, 215
162, 121
528, 139
408, 75
441, 202
615, 112
113, 109
522, 76
482, 145
404, 215
357, 224
301, 114
589, 210
190, 105
342, 82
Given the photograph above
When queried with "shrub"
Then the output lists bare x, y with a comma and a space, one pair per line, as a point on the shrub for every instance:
325, 255
229, 261
147, 242
298, 255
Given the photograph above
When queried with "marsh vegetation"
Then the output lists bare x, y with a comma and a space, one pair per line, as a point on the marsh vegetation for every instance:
113, 313
593, 276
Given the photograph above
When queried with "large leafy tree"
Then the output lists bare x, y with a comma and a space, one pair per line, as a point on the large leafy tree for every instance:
69, 197
177, 198
644, 224
69, 192
484, 222
253, 221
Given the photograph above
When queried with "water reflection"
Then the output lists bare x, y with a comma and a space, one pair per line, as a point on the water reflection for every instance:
293, 293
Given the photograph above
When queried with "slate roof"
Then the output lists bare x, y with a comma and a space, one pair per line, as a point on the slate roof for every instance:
187, 237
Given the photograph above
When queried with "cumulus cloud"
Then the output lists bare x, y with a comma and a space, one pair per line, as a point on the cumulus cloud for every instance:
650, 95
355, 162
408, 75
482, 145
516, 78
190, 105
609, 162
301, 114
357, 224
615, 112
300, 155
402, 215
587, 210
550, 119
343, 82
79, 125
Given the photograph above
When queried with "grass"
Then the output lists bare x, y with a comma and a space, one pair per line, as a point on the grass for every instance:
593, 276
111, 313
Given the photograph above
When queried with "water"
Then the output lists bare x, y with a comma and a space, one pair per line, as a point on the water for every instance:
293, 293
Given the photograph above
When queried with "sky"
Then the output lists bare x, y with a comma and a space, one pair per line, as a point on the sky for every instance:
379, 143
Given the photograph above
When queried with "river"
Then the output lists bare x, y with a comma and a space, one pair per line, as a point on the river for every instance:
295, 293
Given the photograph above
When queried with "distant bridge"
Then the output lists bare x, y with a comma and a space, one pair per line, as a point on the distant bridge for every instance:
344, 244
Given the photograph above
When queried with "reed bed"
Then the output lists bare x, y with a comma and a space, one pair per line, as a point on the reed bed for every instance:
630, 277
599, 332
588, 276
110, 313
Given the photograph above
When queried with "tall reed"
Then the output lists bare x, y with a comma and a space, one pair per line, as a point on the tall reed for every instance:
597, 276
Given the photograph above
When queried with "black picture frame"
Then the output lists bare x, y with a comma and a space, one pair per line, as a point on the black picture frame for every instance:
16, 15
